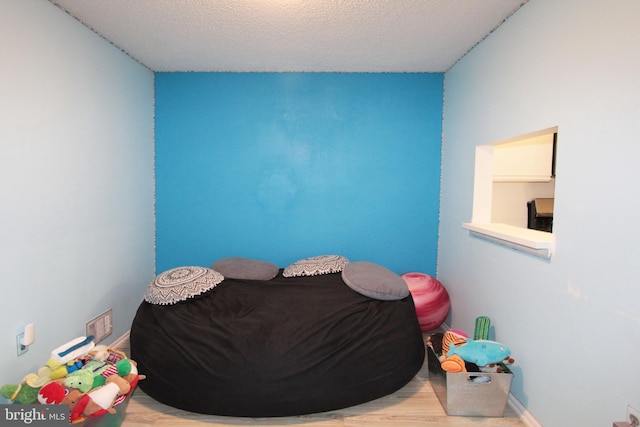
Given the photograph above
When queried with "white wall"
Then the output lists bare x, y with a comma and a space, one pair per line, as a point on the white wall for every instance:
573, 322
76, 181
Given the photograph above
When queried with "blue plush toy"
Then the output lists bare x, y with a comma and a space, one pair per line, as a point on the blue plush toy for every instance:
481, 352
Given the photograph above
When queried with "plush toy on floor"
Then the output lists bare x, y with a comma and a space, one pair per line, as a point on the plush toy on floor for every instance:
456, 351
56, 393
100, 400
498, 367
442, 343
20, 393
128, 369
481, 352
91, 380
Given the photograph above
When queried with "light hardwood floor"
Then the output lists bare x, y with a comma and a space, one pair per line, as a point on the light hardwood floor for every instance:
415, 404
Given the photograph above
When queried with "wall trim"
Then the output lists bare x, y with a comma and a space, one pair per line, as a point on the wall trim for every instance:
525, 415
119, 342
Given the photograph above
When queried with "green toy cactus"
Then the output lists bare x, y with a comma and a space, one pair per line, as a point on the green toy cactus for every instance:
483, 323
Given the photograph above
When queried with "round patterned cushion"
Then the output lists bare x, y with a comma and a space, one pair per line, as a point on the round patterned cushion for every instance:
313, 266
430, 298
180, 284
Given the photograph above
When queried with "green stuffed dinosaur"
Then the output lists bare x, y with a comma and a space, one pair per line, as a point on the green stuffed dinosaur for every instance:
20, 393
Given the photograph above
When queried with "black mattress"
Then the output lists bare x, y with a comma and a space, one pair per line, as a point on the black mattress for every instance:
281, 347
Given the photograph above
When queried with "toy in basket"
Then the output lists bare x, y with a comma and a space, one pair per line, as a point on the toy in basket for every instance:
470, 376
456, 351
91, 379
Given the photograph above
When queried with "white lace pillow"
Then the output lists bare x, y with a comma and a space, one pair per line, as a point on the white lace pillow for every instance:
323, 264
180, 284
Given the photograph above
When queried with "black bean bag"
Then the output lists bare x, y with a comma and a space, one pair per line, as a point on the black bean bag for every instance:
280, 347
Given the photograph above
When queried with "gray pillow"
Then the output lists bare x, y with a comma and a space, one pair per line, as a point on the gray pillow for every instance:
374, 281
180, 284
245, 268
313, 266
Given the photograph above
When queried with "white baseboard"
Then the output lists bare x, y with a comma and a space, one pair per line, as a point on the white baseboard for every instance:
525, 415
118, 342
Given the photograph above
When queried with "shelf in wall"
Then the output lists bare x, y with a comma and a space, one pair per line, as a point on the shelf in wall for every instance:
534, 242
522, 178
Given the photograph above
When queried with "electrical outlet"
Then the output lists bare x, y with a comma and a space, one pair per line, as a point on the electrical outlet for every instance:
633, 415
100, 327
22, 349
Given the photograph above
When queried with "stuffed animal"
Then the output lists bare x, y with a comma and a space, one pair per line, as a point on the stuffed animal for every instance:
100, 353
73, 349
124, 387
451, 339
483, 326
53, 370
99, 368
82, 380
91, 380
128, 369
498, 367
441, 343
63, 362
97, 402
454, 348
52, 393
20, 393
453, 364
100, 400
56, 393
481, 352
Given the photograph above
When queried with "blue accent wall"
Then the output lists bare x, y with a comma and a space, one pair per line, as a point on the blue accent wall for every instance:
282, 166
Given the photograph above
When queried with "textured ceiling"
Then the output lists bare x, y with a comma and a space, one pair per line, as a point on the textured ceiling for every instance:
293, 35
